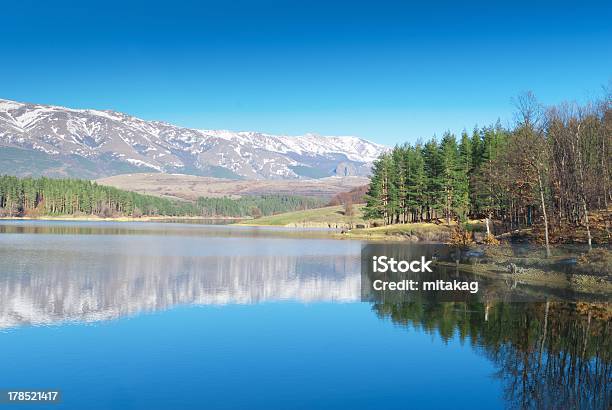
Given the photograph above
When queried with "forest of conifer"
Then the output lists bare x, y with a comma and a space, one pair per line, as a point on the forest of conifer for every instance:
46, 196
551, 169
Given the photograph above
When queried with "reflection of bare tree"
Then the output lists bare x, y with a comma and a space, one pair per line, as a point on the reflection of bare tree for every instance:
65, 285
548, 355
570, 367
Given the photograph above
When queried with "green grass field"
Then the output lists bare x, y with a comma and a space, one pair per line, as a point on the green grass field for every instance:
423, 231
329, 216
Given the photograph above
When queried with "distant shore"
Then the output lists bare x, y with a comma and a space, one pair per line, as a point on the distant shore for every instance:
119, 218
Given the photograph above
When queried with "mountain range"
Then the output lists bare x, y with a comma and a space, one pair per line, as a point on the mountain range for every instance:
38, 139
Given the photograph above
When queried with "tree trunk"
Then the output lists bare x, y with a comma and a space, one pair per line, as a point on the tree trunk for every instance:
586, 220
605, 170
582, 190
545, 329
544, 214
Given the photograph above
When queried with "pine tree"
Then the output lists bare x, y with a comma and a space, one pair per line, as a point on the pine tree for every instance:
380, 193
417, 182
434, 190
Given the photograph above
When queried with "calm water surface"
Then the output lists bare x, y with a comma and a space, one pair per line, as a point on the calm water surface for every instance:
145, 315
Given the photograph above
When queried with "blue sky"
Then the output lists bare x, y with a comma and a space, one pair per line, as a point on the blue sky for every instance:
386, 71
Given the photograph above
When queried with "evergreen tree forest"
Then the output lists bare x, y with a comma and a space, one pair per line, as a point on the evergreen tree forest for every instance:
256, 206
46, 196
552, 169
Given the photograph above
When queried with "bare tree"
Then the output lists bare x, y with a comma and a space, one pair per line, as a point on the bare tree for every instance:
530, 139
348, 208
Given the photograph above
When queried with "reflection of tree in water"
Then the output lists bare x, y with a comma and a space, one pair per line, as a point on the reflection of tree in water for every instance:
548, 355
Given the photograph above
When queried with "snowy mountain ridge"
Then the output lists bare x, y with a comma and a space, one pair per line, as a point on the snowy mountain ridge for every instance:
104, 142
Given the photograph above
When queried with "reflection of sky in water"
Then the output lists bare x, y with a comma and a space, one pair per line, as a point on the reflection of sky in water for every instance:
265, 356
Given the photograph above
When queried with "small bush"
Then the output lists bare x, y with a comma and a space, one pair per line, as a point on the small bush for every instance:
596, 262
460, 236
489, 239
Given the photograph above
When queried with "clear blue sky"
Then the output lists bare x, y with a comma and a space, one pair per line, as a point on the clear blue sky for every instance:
387, 71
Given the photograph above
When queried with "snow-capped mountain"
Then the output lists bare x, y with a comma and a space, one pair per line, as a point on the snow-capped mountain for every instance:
49, 140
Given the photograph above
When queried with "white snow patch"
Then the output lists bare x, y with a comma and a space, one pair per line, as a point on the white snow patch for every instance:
140, 163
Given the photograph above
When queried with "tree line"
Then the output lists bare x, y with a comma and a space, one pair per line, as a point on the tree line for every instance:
47, 196
256, 206
553, 165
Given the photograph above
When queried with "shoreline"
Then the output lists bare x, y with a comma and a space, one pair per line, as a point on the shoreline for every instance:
91, 218
578, 282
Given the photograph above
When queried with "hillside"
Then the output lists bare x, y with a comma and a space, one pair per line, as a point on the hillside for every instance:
191, 187
356, 195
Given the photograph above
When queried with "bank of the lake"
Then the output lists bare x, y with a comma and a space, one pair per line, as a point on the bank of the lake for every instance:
542, 279
95, 218
589, 277
415, 232
352, 225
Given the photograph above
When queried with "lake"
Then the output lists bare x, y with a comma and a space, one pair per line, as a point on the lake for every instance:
178, 316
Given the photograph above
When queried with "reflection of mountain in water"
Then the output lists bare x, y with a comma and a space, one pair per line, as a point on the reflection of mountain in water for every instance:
549, 355
39, 286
